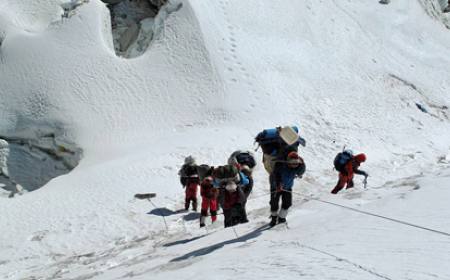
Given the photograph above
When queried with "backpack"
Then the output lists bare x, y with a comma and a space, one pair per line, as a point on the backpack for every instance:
246, 158
270, 140
243, 158
188, 171
204, 171
341, 160
225, 172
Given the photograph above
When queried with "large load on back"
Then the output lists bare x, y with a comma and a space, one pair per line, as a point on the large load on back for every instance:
225, 173
188, 172
242, 158
271, 140
204, 171
276, 143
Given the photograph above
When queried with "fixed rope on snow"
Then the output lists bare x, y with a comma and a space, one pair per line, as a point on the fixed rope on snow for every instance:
372, 214
151, 195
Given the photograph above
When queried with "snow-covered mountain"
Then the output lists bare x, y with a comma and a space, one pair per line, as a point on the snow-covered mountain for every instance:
115, 98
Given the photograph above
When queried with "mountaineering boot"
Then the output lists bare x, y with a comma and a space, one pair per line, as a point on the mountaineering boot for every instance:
202, 221
282, 215
244, 216
336, 190
273, 222
186, 204
350, 185
213, 216
194, 205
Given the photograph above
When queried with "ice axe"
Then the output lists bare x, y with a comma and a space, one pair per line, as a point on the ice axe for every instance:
149, 197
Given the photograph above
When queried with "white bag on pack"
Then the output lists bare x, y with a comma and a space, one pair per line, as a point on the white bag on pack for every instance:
289, 135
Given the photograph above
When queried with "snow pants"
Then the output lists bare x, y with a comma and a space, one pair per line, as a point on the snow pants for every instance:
191, 195
286, 201
235, 215
211, 204
343, 180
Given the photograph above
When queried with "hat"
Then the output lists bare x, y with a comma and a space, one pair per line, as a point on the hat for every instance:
293, 159
189, 160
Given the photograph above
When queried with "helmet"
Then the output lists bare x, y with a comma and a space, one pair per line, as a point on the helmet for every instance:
190, 160
231, 186
360, 158
293, 160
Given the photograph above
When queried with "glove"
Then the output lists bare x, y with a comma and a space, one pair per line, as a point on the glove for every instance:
302, 141
279, 188
231, 187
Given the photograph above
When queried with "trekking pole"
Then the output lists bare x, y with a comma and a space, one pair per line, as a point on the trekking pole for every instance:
161, 213
235, 233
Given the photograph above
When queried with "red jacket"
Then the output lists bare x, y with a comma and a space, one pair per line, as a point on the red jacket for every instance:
352, 167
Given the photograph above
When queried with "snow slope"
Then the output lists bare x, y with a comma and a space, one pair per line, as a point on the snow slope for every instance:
347, 72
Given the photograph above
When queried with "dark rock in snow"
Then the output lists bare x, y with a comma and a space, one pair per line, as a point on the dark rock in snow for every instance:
112, 1
422, 108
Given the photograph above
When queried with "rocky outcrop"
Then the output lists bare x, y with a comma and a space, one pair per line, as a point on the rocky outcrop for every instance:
443, 4
26, 164
128, 36
69, 8
132, 24
158, 3
438, 9
112, 1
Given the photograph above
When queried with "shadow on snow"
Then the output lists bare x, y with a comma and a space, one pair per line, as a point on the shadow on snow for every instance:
207, 250
163, 211
184, 241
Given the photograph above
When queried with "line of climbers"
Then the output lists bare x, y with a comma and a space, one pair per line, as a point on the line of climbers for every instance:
229, 186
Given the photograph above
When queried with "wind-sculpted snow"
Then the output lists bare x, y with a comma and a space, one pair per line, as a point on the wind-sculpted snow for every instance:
157, 88
30, 16
346, 72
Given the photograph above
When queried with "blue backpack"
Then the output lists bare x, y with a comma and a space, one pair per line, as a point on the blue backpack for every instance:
270, 140
342, 159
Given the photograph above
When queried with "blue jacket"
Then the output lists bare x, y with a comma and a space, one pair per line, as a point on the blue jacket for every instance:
244, 179
284, 176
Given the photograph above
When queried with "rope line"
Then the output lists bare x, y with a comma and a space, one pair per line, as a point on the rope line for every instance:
235, 233
374, 215
309, 198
